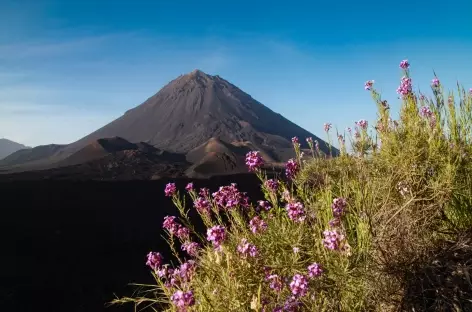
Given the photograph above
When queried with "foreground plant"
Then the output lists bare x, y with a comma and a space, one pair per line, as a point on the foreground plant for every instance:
348, 233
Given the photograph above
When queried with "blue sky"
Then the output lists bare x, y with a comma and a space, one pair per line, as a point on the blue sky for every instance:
69, 67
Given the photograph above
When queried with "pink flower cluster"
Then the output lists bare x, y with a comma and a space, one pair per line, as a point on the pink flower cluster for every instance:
202, 205
332, 239
404, 64
291, 168
257, 225
338, 206
275, 282
299, 285
435, 82
315, 270
170, 189
154, 260
191, 248
428, 114
368, 85
189, 187
363, 124
254, 160
264, 205
216, 235
247, 249
183, 300
296, 211
327, 126
272, 185
229, 197
295, 140
174, 228
405, 86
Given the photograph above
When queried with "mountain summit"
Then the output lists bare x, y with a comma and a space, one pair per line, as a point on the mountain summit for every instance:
196, 107
205, 118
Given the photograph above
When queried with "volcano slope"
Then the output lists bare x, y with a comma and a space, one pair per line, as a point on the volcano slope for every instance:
186, 116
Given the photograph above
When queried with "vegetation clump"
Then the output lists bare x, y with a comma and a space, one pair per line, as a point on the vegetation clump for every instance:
383, 227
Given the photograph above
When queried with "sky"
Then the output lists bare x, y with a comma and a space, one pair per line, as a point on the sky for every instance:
68, 68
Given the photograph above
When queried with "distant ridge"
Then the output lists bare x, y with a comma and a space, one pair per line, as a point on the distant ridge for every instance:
8, 147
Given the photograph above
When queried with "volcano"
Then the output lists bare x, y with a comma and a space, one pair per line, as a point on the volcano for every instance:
202, 116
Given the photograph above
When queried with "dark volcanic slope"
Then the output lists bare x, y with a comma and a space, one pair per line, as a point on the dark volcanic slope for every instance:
196, 107
8, 147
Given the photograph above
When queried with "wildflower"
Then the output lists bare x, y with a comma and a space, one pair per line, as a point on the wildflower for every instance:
338, 206
405, 86
341, 139
404, 64
385, 104
170, 189
229, 197
204, 192
296, 250
191, 248
245, 249
170, 225
154, 260
327, 126
435, 82
309, 140
291, 168
470, 91
185, 271
183, 300
272, 185
189, 187
265, 205
286, 196
216, 235
314, 270
275, 282
257, 225
332, 239
349, 129
254, 160
362, 123
426, 112
202, 205
164, 271
295, 140
422, 97
334, 222
296, 211
299, 285
368, 85
183, 233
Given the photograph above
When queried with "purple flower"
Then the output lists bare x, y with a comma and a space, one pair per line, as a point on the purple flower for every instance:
191, 248
334, 222
154, 260
426, 112
254, 160
362, 123
264, 205
170, 225
470, 91
164, 271
170, 189
405, 86
338, 206
202, 205
183, 233
291, 168
309, 140
404, 64
204, 192
275, 282
185, 271
314, 270
299, 285
257, 225
296, 211
272, 185
229, 197
295, 140
245, 249
216, 235
183, 300
435, 82
189, 187
327, 126
332, 239
368, 85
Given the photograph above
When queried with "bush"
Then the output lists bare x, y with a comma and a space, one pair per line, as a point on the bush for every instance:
385, 227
